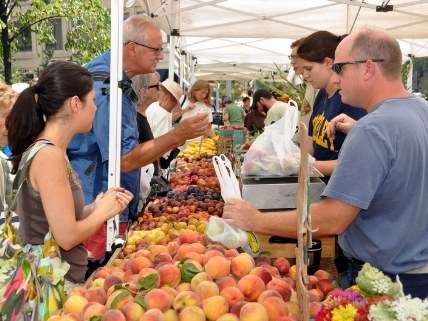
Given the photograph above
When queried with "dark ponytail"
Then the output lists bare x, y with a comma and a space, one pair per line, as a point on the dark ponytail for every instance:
318, 46
35, 105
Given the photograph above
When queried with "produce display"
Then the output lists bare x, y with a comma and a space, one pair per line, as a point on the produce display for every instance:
191, 279
205, 147
194, 171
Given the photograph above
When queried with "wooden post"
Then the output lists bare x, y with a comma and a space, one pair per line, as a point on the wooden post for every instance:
304, 239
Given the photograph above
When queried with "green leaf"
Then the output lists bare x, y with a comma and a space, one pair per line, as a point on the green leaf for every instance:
119, 297
188, 271
96, 318
148, 282
139, 299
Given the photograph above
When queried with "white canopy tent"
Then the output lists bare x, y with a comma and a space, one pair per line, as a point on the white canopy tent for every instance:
235, 39
239, 39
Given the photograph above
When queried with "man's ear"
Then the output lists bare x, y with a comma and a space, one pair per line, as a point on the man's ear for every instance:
369, 70
328, 61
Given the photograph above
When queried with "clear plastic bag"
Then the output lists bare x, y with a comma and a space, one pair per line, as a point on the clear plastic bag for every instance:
274, 153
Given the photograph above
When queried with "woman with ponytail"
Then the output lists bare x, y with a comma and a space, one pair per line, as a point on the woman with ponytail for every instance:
317, 55
48, 115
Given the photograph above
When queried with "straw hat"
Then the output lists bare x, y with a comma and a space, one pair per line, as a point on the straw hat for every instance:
173, 88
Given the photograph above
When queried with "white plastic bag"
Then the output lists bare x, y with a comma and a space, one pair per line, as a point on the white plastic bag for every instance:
145, 178
274, 153
228, 235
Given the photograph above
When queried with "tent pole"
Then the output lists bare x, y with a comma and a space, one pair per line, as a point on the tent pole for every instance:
115, 122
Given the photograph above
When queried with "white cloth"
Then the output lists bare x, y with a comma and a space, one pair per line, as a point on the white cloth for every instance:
292, 77
159, 119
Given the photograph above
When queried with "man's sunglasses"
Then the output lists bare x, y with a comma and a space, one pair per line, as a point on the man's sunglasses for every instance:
155, 50
338, 66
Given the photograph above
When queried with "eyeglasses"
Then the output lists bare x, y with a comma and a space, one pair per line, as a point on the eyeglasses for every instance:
338, 66
155, 50
157, 86
292, 56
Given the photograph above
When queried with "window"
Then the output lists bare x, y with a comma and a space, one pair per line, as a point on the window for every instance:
57, 32
24, 41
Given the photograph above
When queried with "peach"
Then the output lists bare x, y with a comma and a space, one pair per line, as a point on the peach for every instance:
173, 247
113, 315
78, 291
157, 299
323, 275
194, 256
143, 252
206, 289
268, 293
183, 250
118, 299
132, 311
214, 307
236, 308
196, 264
228, 317
242, 265
150, 274
140, 263
262, 273
231, 253
119, 273
102, 273
225, 282
316, 295
232, 295
170, 315
96, 295
153, 315
209, 254
183, 287
292, 273
185, 299
283, 265
75, 303
97, 283
162, 258
172, 293
72, 317
110, 281
93, 309
198, 278
253, 311
272, 270
290, 282
325, 286
287, 318
188, 236
56, 317
198, 248
217, 267
313, 281
262, 260
293, 309
275, 307
169, 275
156, 250
192, 313
251, 286
281, 286
314, 308
218, 247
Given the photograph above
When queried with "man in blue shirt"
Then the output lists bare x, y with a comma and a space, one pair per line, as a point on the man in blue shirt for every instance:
88, 153
376, 199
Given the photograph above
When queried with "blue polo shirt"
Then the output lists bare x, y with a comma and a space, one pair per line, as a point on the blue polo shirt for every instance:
89, 152
383, 170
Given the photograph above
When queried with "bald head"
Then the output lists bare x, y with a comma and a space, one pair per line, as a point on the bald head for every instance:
377, 44
136, 28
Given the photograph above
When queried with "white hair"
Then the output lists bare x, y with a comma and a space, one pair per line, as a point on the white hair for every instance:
134, 28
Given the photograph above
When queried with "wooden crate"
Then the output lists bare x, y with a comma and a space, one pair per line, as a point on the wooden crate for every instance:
288, 249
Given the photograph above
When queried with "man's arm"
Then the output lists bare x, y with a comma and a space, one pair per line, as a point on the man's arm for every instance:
329, 217
326, 167
146, 153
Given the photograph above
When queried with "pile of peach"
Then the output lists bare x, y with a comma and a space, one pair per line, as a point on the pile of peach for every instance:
148, 285
198, 172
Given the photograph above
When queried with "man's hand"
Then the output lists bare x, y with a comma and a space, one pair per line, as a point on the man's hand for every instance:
342, 122
193, 127
241, 213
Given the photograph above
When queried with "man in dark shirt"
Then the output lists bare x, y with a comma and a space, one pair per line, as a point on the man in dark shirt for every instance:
255, 119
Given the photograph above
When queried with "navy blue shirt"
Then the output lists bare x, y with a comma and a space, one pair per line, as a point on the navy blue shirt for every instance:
89, 152
325, 109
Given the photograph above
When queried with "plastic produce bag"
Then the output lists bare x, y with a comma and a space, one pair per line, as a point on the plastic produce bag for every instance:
274, 153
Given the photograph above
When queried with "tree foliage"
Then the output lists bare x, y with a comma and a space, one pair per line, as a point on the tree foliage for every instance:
88, 32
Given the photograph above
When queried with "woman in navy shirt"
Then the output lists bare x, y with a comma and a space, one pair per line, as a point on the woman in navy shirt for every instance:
317, 55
